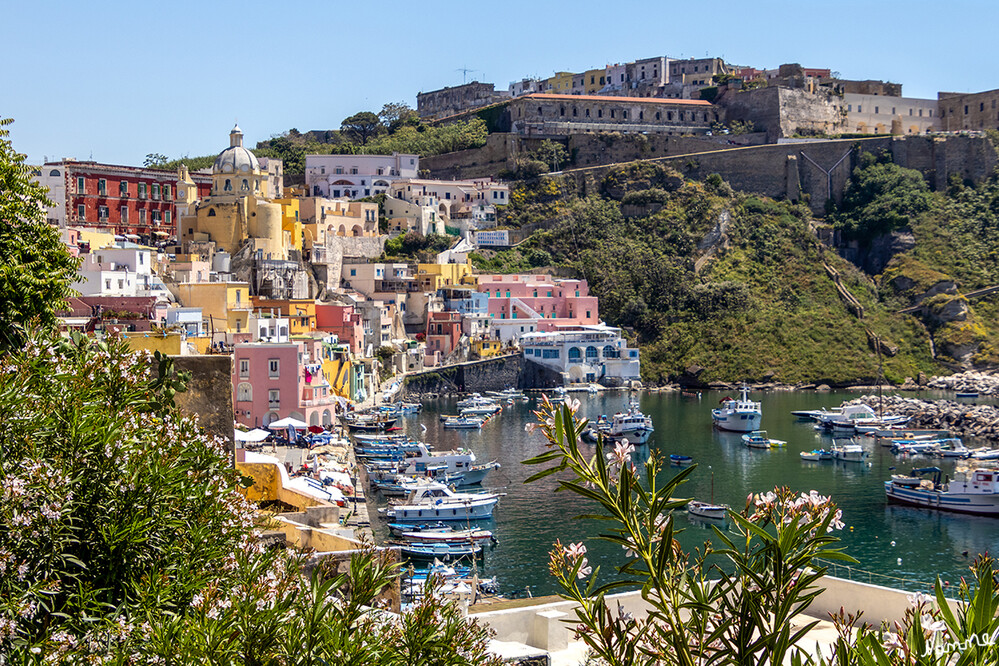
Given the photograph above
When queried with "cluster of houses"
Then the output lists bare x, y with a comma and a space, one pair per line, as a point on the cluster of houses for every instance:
293, 284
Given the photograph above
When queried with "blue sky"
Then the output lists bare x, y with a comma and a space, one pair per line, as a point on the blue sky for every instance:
118, 80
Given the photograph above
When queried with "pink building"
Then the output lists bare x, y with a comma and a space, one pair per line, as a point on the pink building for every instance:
344, 322
272, 381
521, 304
443, 333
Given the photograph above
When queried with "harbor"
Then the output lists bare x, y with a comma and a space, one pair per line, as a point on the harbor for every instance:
898, 546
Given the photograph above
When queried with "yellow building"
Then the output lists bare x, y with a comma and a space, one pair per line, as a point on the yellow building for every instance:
237, 212
432, 277
594, 80
225, 305
485, 348
291, 223
96, 239
156, 341
561, 83
301, 313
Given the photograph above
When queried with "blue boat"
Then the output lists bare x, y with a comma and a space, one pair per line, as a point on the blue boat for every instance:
439, 551
678, 460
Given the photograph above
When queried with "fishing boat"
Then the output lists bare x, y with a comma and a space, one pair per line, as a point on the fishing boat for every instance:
816, 414
476, 400
427, 463
463, 422
816, 455
973, 490
678, 460
986, 454
435, 501
849, 452
507, 394
369, 423
485, 410
439, 551
925, 446
758, 440
738, 415
448, 535
631, 425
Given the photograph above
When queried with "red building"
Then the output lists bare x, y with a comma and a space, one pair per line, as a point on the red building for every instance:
344, 322
443, 334
127, 200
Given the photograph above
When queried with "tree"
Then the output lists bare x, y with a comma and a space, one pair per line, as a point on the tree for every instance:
396, 114
361, 126
552, 153
881, 197
36, 269
154, 161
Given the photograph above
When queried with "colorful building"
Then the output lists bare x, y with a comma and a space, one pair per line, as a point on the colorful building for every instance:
226, 307
443, 334
431, 277
585, 354
520, 304
343, 321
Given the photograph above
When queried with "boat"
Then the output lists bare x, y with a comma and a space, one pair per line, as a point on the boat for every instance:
369, 423
816, 414
435, 501
508, 393
427, 464
477, 400
925, 446
738, 415
439, 551
973, 490
816, 455
485, 410
758, 440
708, 509
463, 422
850, 452
986, 454
631, 425
448, 535
860, 418
966, 394
678, 460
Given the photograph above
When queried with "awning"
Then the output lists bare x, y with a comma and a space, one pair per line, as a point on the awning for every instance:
288, 423
161, 233
131, 235
255, 435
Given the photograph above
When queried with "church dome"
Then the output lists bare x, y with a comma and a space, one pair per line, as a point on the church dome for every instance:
236, 159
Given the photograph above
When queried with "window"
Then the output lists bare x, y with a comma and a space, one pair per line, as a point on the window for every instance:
123, 188
156, 191
124, 214
166, 191
81, 212
591, 352
167, 217
142, 190
600, 113
876, 109
102, 184
274, 368
244, 392
142, 216
227, 187
80, 182
353, 171
586, 113
102, 213
273, 399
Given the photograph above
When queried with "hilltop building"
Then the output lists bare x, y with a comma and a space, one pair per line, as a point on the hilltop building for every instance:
356, 176
968, 111
585, 354
456, 99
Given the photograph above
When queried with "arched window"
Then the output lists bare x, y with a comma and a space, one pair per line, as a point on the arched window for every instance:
246, 185
228, 185
244, 392
539, 111
211, 212
574, 354
54, 172
610, 352
591, 352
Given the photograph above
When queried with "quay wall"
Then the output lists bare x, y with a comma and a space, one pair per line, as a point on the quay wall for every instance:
491, 374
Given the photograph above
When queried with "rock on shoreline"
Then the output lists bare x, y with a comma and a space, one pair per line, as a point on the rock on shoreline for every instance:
961, 419
971, 381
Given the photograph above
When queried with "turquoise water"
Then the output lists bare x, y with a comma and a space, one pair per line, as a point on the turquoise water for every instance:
531, 517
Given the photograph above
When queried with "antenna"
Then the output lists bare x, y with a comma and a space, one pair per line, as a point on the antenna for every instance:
464, 73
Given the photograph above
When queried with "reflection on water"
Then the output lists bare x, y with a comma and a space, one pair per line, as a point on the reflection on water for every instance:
530, 518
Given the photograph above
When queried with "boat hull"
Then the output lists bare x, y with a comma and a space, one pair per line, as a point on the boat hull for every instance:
738, 421
704, 510
978, 504
443, 512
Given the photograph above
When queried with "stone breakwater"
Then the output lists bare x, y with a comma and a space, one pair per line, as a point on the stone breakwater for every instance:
984, 383
961, 419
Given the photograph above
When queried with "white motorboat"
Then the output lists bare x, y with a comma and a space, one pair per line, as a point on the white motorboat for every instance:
477, 400
707, 510
851, 452
973, 490
482, 410
457, 461
816, 455
632, 425
738, 415
463, 422
816, 414
758, 440
435, 501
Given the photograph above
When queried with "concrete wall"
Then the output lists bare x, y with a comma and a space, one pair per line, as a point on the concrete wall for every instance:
209, 393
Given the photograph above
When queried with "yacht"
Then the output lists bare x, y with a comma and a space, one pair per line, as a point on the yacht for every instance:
632, 425
742, 415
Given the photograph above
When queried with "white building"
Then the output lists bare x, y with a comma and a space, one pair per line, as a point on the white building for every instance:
119, 272
584, 354
357, 176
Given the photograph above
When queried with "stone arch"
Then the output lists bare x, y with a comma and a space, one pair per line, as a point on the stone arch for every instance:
270, 417
314, 419
356, 230
342, 231
327, 418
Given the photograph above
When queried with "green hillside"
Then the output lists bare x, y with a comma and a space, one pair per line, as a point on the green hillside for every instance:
734, 283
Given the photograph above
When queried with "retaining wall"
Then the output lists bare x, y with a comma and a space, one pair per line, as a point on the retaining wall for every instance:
491, 374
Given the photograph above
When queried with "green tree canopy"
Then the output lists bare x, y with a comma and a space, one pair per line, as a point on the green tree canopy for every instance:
36, 269
396, 114
881, 197
361, 126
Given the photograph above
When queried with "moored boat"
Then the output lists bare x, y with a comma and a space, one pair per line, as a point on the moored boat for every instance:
463, 422
678, 460
849, 452
758, 440
973, 490
816, 455
738, 415
707, 510
435, 501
